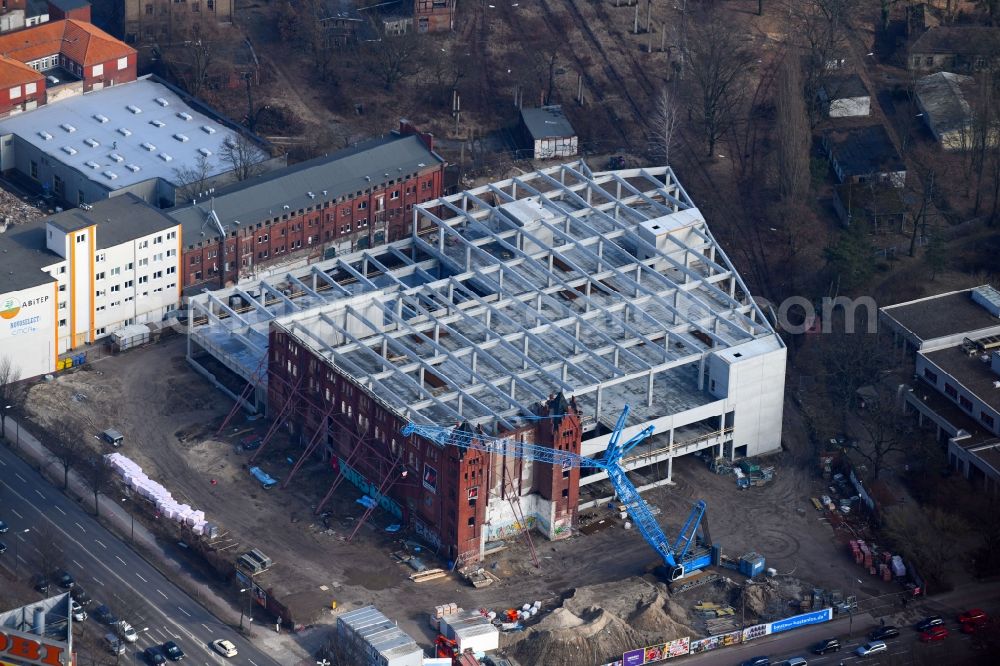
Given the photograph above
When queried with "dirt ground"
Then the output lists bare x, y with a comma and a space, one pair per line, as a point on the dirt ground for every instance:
169, 416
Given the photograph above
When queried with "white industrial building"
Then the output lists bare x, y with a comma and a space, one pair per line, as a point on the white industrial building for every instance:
72, 278
141, 137
607, 287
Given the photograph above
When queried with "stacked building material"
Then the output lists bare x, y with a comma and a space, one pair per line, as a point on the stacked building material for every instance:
156, 494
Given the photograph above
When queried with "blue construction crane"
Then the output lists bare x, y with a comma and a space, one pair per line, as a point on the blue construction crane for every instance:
686, 554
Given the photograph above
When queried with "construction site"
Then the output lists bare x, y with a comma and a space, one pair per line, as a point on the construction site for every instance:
496, 391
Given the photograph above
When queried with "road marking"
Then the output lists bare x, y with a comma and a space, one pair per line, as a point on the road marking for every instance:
97, 580
141, 578
161, 594
39, 493
24, 480
3, 463
21, 558
20, 537
78, 565
59, 510
206, 627
13, 511
98, 542
183, 611
252, 662
81, 527
121, 560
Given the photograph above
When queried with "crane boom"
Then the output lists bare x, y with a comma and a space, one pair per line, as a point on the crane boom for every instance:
678, 556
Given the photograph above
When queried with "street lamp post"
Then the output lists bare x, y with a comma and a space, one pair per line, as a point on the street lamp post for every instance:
242, 590
131, 517
19, 538
17, 425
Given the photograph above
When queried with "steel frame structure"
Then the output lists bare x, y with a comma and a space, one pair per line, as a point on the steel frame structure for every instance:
484, 311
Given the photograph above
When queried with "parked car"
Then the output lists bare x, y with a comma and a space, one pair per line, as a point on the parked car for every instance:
64, 579
104, 615
3, 548
80, 596
796, 661
153, 655
974, 616
114, 644
882, 633
251, 442
938, 632
40, 583
868, 649
76, 610
928, 622
174, 653
828, 645
127, 632
3, 527
757, 661
224, 647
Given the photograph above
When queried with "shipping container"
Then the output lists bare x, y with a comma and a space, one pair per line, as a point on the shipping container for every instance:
372, 639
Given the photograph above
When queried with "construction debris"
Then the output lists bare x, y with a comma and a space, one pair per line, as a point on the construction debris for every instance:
428, 574
14, 211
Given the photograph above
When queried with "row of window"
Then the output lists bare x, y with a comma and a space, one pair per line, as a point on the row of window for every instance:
963, 401
115, 304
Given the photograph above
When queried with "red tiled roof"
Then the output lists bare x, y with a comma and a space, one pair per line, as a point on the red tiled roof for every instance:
14, 73
79, 41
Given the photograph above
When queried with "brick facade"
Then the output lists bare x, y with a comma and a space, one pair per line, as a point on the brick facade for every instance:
434, 15
441, 493
382, 213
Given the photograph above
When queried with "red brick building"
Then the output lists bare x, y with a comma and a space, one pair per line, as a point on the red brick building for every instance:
75, 49
434, 15
78, 10
348, 200
456, 498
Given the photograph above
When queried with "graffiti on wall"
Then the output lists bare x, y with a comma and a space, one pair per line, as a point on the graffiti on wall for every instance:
426, 533
370, 489
510, 530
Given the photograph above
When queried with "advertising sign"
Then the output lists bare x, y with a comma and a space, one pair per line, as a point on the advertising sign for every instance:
756, 631
796, 621
679, 647
634, 658
30, 649
715, 642
655, 653
20, 316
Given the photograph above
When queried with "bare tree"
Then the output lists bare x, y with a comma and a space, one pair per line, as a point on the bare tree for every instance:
192, 180
243, 156
99, 476
396, 57
719, 61
12, 393
662, 130
46, 547
792, 127
820, 28
925, 537
66, 446
886, 429
192, 56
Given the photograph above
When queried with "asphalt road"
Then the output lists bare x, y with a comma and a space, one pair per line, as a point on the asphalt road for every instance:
106, 567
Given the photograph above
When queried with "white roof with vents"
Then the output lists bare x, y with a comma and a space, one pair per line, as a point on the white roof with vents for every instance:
105, 131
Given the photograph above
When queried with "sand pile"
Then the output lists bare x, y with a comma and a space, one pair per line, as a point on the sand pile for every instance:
596, 623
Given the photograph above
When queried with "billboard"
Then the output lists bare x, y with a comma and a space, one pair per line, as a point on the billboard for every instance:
756, 631
796, 621
716, 642
33, 649
656, 653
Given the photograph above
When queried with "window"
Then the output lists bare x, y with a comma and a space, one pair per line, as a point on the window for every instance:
62, 305
15, 92
128, 266
99, 276
195, 7
950, 390
171, 235
143, 244
100, 308
100, 257
211, 5
30, 88
395, 194
116, 287
116, 270
930, 375
157, 275
986, 418
171, 253
143, 262
472, 521
149, 10
171, 270
965, 403
98, 70
34, 169
158, 256
143, 279
929, 60
123, 62
62, 322
62, 270
81, 237
158, 239
128, 284
62, 287
362, 205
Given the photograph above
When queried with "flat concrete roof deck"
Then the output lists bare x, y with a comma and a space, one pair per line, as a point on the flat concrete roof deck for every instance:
941, 316
974, 374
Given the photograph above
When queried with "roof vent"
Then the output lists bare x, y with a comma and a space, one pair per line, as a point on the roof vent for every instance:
148, 146
93, 143
162, 102
69, 150
92, 164
157, 123
134, 168
207, 130
134, 109
180, 137
165, 157
45, 135
124, 131
110, 175
184, 115
205, 151
116, 157
310, 195
68, 127
100, 118
286, 207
